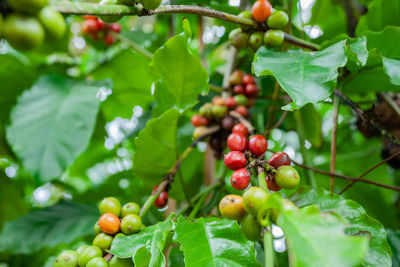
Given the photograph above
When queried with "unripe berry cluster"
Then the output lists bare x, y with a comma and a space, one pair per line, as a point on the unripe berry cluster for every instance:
98, 29
262, 12
115, 220
28, 23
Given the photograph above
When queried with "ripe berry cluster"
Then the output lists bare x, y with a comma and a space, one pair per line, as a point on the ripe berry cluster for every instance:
248, 154
114, 221
262, 12
98, 29
28, 22
244, 91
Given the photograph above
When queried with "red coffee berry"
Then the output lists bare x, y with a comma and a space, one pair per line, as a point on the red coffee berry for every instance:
89, 27
109, 39
242, 110
272, 185
251, 89
101, 25
279, 159
237, 142
248, 79
238, 73
198, 120
240, 128
235, 160
230, 102
162, 199
239, 89
218, 101
258, 144
115, 27
240, 179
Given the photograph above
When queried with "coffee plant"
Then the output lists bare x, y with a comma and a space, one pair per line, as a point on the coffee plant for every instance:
199, 133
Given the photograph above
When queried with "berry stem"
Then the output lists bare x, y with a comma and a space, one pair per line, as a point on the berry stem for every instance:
242, 120
196, 208
269, 253
261, 180
133, 45
205, 191
81, 8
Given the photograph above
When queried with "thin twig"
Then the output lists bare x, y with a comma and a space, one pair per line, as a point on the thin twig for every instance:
215, 88
346, 177
368, 171
242, 120
365, 119
277, 124
333, 140
169, 177
133, 45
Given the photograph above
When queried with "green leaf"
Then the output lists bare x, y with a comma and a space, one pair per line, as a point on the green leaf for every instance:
12, 202
361, 224
321, 15
372, 77
49, 227
132, 83
308, 77
214, 242
394, 242
148, 242
181, 77
380, 14
357, 50
392, 69
52, 124
14, 79
318, 239
156, 147
312, 125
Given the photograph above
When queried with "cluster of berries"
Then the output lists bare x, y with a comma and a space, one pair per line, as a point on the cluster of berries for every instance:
243, 88
250, 208
247, 154
244, 91
98, 29
114, 221
262, 12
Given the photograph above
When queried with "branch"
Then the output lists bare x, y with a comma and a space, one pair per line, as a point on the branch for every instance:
242, 120
169, 177
369, 170
365, 118
333, 140
346, 177
82, 8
